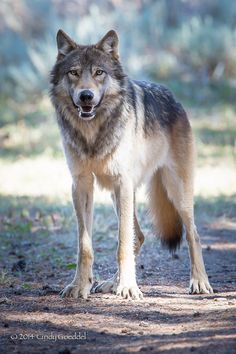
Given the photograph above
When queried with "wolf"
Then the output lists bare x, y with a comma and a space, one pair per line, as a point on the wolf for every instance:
122, 133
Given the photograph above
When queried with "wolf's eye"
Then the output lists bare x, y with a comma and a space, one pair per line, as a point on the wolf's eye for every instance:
73, 72
99, 72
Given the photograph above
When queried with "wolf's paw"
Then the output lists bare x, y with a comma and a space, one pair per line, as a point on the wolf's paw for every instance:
129, 292
107, 286
76, 290
200, 286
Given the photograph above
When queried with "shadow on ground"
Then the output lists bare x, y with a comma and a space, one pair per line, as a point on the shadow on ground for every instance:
38, 258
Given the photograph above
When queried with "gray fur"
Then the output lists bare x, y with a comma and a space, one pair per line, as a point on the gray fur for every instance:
110, 131
159, 106
110, 116
128, 133
160, 109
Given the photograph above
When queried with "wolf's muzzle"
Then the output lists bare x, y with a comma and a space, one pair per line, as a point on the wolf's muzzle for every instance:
85, 104
86, 96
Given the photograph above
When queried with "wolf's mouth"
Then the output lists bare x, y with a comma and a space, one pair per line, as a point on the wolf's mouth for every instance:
86, 112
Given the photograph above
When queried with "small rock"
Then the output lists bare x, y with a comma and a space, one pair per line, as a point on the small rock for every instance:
196, 314
175, 256
12, 253
6, 325
19, 266
4, 300
20, 256
47, 289
26, 244
50, 275
231, 303
18, 292
141, 266
146, 349
220, 299
64, 351
143, 324
125, 330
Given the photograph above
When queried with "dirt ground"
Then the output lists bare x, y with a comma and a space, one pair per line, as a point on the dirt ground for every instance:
34, 319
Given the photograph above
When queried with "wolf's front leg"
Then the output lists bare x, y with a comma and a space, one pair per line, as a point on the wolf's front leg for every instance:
126, 285
82, 193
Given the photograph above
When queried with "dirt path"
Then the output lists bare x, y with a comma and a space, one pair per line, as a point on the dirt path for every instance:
34, 319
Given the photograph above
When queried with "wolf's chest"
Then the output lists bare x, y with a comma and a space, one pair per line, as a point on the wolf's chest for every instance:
91, 141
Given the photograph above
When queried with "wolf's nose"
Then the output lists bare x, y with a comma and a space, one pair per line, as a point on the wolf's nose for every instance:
86, 96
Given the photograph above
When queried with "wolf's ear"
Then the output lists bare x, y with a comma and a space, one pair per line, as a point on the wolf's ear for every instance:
64, 44
109, 44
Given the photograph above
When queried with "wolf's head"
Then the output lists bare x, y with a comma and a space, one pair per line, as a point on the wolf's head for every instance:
87, 78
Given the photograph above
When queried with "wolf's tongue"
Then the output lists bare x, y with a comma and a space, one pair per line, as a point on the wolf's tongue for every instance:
86, 108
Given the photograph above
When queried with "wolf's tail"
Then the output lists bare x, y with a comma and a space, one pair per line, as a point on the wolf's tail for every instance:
166, 220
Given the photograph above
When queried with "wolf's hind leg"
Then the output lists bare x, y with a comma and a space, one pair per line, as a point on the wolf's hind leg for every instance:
139, 236
107, 286
199, 282
180, 192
